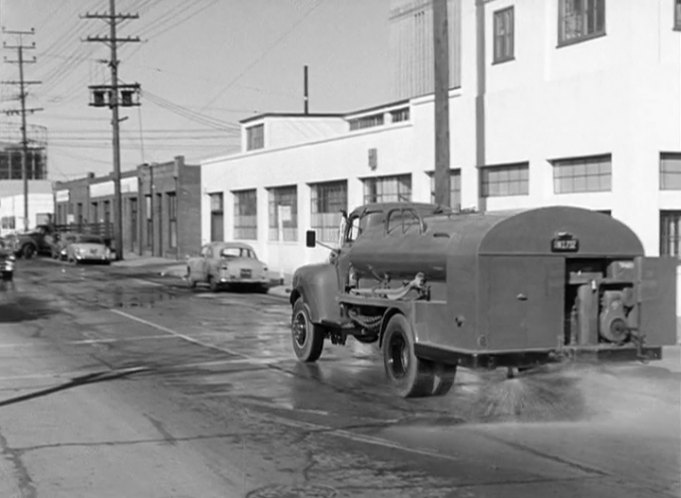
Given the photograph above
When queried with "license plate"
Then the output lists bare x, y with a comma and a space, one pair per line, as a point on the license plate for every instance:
245, 273
93, 251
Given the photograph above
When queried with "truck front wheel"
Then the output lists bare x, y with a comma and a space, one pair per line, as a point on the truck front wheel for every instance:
409, 375
308, 338
27, 251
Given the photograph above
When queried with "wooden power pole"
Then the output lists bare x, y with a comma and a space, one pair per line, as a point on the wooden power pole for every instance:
441, 59
22, 98
109, 95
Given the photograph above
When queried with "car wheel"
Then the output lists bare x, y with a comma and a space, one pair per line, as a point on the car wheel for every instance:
409, 375
27, 251
308, 338
214, 286
190, 281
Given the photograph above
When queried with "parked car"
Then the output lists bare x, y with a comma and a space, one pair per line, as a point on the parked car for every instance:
222, 264
61, 242
7, 259
88, 249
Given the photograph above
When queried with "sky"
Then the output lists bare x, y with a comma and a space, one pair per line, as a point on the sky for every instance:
203, 65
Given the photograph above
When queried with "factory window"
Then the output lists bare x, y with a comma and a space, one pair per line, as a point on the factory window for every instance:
134, 213
503, 35
148, 208
217, 230
366, 122
79, 214
677, 15
454, 188
387, 189
107, 214
95, 212
582, 174
255, 136
399, 115
670, 233
508, 179
245, 215
580, 20
326, 202
8, 222
670, 171
172, 220
283, 213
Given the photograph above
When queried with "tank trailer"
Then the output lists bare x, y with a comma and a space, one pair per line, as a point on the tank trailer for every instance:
438, 290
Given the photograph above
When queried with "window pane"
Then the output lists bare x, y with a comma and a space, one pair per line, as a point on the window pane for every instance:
670, 171
387, 189
245, 215
670, 233
585, 174
327, 199
512, 179
283, 213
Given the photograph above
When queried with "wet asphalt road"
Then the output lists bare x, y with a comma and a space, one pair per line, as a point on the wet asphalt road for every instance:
120, 382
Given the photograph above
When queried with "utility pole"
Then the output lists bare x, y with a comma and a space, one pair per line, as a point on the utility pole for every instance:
22, 97
441, 59
100, 94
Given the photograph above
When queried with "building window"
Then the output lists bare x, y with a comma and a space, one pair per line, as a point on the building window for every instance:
95, 212
670, 171
454, 188
580, 20
283, 213
670, 233
217, 227
107, 214
172, 220
366, 122
134, 213
508, 179
582, 174
503, 35
148, 208
387, 189
245, 215
255, 137
677, 15
326, 202
8, 223
399, 115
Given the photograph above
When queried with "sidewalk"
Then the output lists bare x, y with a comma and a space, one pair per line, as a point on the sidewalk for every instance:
177, 268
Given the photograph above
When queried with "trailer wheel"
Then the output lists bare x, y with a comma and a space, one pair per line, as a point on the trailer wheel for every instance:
27, 251
409, 375
308, 338
444, 378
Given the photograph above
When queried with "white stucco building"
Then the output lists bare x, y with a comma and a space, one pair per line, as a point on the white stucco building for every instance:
40, 204
572, 102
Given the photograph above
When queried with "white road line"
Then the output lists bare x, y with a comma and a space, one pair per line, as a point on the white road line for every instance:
101, 340
182, 336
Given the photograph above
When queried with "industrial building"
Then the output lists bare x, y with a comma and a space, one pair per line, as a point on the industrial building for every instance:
12, 161
558, 102
160, 204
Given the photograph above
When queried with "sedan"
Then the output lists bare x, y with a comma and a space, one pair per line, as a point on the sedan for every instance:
222, 264
88, 249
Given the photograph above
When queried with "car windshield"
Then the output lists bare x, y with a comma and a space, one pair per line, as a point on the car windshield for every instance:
236, 252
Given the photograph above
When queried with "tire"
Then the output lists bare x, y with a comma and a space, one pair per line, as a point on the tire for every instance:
410, 376
27, 251
214, 286
190, 281
307, 338
444, 378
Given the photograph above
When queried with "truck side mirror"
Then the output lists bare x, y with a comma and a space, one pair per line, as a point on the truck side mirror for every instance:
310, 238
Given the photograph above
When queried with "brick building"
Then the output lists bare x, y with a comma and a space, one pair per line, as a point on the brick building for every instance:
160, 204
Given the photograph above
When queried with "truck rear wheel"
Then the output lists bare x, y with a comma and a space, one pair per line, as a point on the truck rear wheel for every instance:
444, 378
409, 375
308, 338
